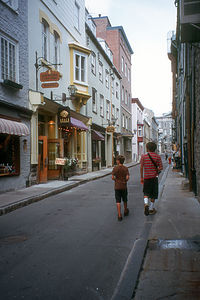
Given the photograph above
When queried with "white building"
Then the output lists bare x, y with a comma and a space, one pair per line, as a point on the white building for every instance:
104, 109
165, 132
57, 45
138, 129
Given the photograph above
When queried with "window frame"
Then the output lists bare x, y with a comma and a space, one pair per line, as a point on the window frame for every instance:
122, 67
93, 63
77, 16
108, 110
107, 78
117, 90
101, 105
123, 94
56, 46
101, 73
45, 35
94, 100
81, 55
16, 59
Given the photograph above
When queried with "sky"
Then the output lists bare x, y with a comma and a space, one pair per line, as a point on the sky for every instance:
146, 24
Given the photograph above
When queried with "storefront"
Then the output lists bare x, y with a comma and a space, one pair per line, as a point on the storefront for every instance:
98, 147
14, 144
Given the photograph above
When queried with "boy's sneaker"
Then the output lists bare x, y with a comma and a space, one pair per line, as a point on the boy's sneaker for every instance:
119, 218
152, 211
146, 210
126, 213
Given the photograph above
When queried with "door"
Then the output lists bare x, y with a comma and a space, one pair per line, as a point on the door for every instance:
55, 150
42, 159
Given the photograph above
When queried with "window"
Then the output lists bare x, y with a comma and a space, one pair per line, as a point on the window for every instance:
122, 94
77, 16
117, 116
8, 59
112, 86
93, 63
117, 90
128, 74
129, 99
45, 37
126, 122
56, 49
122, 64
101, 71
80, 67
126, 97
94, 100
101, 105
108, 110
130, 124
126, 69
140, 131
123, 120
9, 155
113, 111
107, 78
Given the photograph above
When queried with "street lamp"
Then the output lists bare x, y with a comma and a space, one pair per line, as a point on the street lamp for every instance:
72, 90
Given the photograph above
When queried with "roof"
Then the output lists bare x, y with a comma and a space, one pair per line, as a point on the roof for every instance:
121, 29
137, 101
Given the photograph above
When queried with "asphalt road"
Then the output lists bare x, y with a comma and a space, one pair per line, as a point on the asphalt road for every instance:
69, 246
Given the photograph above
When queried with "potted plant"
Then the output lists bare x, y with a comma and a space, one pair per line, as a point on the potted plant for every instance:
70, 167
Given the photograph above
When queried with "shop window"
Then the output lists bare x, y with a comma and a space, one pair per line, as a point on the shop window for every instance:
9, 155
8, 58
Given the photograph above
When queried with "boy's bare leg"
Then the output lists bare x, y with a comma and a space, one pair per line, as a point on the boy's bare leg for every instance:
119, 209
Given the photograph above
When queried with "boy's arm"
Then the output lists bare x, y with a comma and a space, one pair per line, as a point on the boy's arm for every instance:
141, 170
127, 175
113, 174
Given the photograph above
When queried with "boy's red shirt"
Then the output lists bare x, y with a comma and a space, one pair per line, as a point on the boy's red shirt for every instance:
120, 173
149, 168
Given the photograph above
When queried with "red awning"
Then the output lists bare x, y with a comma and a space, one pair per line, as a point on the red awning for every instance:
97, 136
78, 124
13, 127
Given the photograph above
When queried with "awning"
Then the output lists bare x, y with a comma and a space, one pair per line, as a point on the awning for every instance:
13, 127
97, 136
78, 124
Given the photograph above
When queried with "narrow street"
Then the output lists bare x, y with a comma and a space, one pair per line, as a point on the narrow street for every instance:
69, 246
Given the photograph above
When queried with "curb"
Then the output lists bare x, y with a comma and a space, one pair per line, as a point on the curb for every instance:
11, 207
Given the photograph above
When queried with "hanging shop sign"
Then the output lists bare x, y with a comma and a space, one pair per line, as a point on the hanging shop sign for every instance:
49, 76
50, 85
110, 129
64, 116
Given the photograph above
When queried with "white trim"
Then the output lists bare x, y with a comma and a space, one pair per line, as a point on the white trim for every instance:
80, 54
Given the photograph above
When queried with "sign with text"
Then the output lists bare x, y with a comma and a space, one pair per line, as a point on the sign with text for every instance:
64, 116
49, 76
110, 128
60, 161
49, 85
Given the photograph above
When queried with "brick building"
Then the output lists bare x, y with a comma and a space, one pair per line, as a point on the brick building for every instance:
118, 42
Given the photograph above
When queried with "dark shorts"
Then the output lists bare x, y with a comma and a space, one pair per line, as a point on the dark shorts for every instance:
121, 194
150, 188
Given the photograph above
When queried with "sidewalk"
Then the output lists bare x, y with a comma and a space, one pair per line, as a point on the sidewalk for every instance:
171, 267
10, 201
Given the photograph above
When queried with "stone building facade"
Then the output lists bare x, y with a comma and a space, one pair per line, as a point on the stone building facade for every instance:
14, 83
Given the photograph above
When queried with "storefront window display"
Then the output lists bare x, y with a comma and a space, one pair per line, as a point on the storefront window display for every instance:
9, 155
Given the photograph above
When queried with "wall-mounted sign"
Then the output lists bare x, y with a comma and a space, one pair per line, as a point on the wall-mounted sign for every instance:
49, 76
49, 85
64, 116
60, 161
110, 129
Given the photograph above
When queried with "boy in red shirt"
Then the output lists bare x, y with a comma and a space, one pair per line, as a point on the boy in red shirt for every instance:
120, 175
151, 165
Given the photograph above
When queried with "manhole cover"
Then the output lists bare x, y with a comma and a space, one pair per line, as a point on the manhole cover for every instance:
13, 239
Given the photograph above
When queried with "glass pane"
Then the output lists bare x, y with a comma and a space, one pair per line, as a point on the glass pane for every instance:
53, 153
41, 154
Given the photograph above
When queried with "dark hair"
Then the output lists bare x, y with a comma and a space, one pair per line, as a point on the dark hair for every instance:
121, 159
151, 146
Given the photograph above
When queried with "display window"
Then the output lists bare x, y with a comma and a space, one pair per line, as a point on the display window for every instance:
9, 155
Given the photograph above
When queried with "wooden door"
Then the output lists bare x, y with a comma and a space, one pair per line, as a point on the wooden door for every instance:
42, 159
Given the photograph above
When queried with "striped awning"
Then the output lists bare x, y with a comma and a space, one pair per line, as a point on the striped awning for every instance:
13, 127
